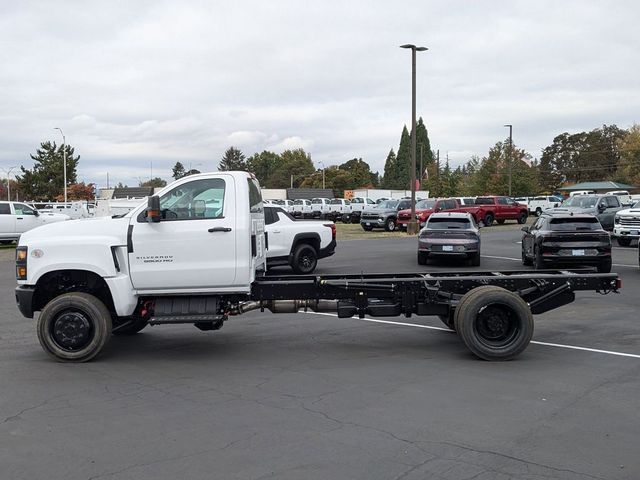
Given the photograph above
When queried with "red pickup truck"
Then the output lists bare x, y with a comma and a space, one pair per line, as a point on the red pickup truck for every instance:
424, 208
486, 210
496, 209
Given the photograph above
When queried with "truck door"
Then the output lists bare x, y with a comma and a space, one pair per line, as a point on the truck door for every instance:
7, 221
194, 245
277, 234
25, 216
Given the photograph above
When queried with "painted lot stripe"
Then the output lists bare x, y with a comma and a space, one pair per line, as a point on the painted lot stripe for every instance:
520, 260
428, 327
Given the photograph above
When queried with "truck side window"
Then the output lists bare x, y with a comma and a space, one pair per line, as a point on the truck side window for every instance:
503, 201
5, 209
22, 209
255, 197
199, 199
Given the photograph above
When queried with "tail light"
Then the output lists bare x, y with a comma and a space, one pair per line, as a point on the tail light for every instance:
332, 226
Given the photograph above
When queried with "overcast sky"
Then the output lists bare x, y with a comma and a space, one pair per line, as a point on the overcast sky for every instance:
133, 82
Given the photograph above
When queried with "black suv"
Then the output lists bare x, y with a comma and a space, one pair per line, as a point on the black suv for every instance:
566, 238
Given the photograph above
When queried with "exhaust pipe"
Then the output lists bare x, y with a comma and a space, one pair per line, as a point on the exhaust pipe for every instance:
286, 306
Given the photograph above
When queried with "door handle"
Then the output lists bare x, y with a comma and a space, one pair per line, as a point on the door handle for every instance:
276, 231
18, 218
219, 229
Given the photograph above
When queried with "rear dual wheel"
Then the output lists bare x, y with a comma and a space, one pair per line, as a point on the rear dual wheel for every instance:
494, 323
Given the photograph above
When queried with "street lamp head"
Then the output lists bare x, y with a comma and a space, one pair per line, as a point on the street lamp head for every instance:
508, 125
413, 47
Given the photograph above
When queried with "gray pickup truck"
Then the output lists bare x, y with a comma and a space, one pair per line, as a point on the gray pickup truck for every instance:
604, 207
383, 215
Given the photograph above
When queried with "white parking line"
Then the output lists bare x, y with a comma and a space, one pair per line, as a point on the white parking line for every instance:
520, 260
428, 327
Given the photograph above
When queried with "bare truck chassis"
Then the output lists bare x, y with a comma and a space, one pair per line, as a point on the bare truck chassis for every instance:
490, 311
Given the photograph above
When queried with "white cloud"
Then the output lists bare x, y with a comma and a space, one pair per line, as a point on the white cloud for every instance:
139, 82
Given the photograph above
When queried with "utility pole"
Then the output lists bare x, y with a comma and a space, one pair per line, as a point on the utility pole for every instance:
421, 171
412, 228
438, 172
8, 172
510, 160
64, 164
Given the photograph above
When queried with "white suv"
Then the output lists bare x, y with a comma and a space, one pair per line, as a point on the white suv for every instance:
16, 218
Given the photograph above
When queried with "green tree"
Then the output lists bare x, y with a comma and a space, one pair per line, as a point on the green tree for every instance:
45, 180
263, 165
402, 174
423, 148
296, 163
178, 171
390, 167
155, 182
629, 163
359, 173
233, 159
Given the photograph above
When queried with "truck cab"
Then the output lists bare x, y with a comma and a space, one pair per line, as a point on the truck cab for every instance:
203, 233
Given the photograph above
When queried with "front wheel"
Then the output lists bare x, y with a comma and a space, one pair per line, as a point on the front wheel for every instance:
305, 259
522, 218
488, 220
538, 212
526, 260
494, 323
74, 327
623, 242
390, 224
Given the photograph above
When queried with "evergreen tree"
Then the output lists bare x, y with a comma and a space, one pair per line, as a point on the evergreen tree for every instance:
389, 178
263, 165
233, 159
45, 181
402, 177
178, 171
423, 148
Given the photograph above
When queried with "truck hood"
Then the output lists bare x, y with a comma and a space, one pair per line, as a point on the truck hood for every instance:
629, 212
79, 232
592, 210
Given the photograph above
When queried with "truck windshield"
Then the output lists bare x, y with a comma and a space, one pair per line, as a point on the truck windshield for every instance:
572, 224
316, 201
298, 202
446, 223
388, 204
426, 204
581, 201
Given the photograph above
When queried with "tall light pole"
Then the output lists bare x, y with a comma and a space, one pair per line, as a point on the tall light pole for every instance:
64, 156
412, 228
322, 163
510, 153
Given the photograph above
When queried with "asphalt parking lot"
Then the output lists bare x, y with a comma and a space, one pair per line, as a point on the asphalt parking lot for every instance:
310, 396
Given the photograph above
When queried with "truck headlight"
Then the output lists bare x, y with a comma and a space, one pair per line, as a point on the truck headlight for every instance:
616, 219
21, 263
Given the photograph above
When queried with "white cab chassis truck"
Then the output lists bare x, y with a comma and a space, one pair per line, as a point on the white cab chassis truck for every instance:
195, 254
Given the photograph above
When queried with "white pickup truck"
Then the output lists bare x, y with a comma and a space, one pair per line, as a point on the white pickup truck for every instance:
16, 218
196, 254
297, 243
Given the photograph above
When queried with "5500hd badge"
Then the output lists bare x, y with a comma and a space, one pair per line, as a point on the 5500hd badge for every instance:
156, 258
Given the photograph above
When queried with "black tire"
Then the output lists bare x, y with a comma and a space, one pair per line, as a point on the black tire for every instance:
74, 327
367, 229
522, 218
494, 323
448, 320
423, 258
390, 224
345, 218
538, 264
355, 219
605, 266
623, 242
305, 259
538, 212
474, 260
129, 326
526, 260
488, 220
501, 221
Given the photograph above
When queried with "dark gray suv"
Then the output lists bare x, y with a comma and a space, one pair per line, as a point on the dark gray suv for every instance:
383, 215
604, 207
